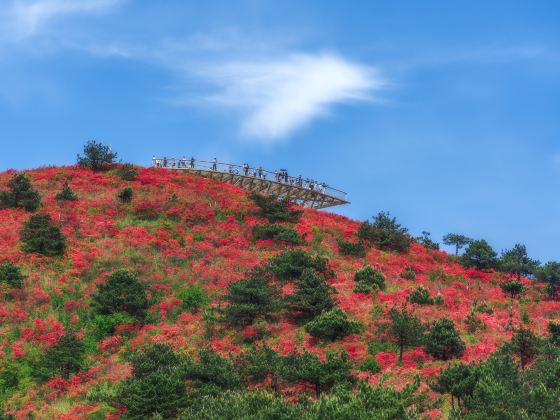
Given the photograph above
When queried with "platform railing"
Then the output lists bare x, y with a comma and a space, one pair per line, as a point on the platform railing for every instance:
280, 176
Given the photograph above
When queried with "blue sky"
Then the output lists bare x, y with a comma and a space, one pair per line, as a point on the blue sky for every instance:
444, 113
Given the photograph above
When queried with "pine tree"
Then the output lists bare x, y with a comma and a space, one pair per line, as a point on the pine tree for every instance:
64, 358
40, 235
312, 296
332, 324
97, 156
11, 275
251, 299
67, 194
524, 343
324, 375
121, 292
21, 194
457, 240
443, 340
405, 329
517, 262
480, 255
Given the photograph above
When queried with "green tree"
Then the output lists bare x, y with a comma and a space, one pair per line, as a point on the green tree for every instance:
405, 329
290, 264
212, 374
335, 370
458, 380
480, 255
312, 296
194, 297
20, 194
122, 292
443, 340
332, 324
426, 240
277, 232
385, 233
40, 235
553, 329
457, 240
421, 296
517, 262
250, 299
262, 363
275, 209
10, 275
127, 172
62, 359
513, 288
157, 385
524, 343
67, 194
368, 279
97, 156
354, 249
125, 196
550, 274
248, 405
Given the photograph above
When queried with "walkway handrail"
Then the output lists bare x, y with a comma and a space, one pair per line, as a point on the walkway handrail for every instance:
280, 175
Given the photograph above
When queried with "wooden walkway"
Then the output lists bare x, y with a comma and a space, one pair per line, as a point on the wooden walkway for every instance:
305, 192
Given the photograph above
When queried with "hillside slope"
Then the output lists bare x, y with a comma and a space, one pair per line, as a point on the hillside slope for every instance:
182, 230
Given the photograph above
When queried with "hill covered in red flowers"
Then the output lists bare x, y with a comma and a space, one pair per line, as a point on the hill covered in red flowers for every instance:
153, 260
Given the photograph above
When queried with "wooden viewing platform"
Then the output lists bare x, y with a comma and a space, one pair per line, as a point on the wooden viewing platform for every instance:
303, 191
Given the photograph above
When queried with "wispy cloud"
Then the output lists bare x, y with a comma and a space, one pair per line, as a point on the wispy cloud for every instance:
276, 97
26, 18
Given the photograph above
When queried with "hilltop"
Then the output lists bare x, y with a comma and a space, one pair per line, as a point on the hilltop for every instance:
185, 240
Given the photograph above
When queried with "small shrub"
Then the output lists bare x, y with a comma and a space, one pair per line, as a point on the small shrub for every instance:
482, 307
278, 232
368, 279
553, 329
421, 296
20, 194
409, 273
67, 194
125, 196
147, 211
127, 172
370, 365
332, 324
474, 323
39, 235
353, 249
513, 288
106, 324
10, 275
194, 297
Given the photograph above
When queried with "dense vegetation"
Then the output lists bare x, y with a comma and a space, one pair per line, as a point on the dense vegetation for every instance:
128, 292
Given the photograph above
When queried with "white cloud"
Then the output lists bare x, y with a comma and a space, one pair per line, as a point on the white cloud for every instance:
277, 97
26, 18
